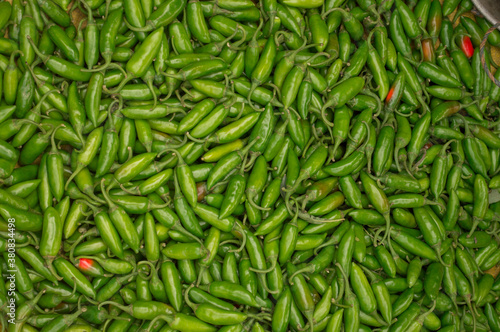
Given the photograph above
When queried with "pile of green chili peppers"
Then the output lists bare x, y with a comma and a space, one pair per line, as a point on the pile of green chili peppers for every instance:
202, 166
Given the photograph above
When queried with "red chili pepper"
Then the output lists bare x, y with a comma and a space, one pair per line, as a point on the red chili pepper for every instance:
466, 46
389, 94
85, 263
202, 190
428, 50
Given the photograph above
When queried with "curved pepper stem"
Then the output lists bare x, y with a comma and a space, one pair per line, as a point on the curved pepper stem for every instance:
421, 318
149, 83
54, 149
105, 193
42, 56
239, 230
151, 266
267, 289
345, 283
272, 267
329, 59
78, 169
128, 78
154, 206
181, 161
40, 127
328, 12
91, 232
167, 318
192, 305
305, 269
250, 199
236, 45
127, 309
52, 269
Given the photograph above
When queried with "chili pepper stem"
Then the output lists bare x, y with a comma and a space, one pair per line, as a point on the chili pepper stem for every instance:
151, 266
43, 57
124, 308
155, 99
328, 12
323, 112
396, 158
422, 102
52, 269
266, 288
305, 269
77, 242
166, 318
243, 242
131, 192
229, 241
191, 138
255, 205
187, 300
249, 97
317, 55
437, 248
128, 78
272, 267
